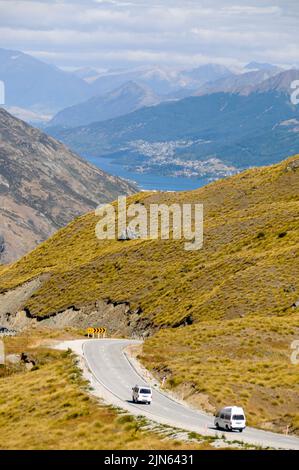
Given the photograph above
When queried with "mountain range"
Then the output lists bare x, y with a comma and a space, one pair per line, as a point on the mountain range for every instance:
207, 122
213, 135
43, 186
162, 80
32, 85
133, 95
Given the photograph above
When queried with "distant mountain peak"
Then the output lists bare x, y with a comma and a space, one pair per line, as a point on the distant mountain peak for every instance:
35, 85
208, 73
125, 99
133, 87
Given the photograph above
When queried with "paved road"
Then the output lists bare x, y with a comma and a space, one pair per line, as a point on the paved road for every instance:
112, 369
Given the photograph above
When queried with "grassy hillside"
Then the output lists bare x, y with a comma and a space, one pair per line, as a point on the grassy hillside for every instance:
244, 361
237, 292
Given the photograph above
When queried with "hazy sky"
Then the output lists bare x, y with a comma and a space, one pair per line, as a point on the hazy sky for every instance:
121, 33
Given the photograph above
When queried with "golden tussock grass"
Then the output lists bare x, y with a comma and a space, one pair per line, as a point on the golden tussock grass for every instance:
238, 290
50, 408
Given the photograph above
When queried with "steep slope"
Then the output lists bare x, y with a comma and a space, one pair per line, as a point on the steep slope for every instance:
31, 83
228, 311
43, 186
123, 100
279, 83
236, 83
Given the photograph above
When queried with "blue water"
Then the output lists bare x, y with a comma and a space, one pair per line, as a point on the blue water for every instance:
149, 181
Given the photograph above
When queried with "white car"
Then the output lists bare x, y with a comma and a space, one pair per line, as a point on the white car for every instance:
230, 418
142, 394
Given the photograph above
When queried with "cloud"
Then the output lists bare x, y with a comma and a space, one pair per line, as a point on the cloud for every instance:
250, 10
163, 31
134, 57
115, 3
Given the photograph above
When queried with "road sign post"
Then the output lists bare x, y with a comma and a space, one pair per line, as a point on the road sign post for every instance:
2, 352
89, 332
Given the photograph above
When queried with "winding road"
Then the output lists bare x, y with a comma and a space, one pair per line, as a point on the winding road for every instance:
114, 372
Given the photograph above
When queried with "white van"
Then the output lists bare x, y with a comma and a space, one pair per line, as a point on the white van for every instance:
231, 418
142, 394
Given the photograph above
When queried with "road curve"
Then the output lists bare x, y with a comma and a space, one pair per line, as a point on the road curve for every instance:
111, 368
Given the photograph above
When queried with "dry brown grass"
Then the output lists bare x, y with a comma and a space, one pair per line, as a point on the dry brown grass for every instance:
242, 361
51, 408
245, 267
247, 273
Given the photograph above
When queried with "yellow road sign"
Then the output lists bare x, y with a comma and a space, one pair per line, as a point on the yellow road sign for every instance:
96, 331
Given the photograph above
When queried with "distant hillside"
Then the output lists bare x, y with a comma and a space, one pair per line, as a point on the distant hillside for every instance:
211, 135
132, 95
236, 83
228, 311
124, 100
162, 80
33, 84
43, 186
280, 83
207, 73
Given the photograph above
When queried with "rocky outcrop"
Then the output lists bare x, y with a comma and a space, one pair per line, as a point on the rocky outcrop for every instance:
117, 317
293, 166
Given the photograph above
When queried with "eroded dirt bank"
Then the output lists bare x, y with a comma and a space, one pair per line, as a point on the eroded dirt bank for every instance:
117, 317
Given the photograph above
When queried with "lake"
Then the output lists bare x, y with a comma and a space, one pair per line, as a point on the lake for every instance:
149, 181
